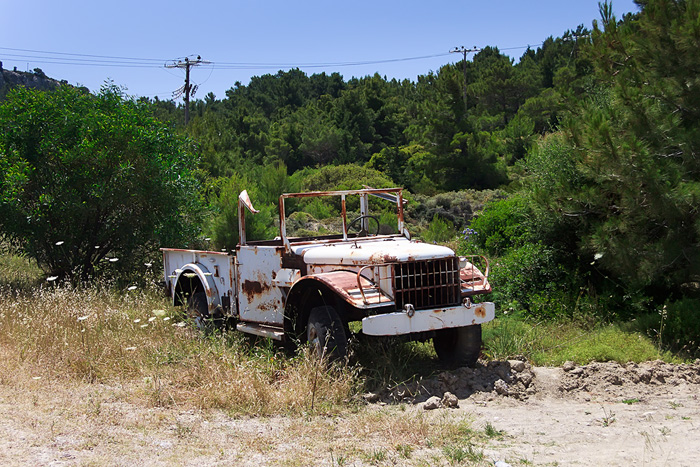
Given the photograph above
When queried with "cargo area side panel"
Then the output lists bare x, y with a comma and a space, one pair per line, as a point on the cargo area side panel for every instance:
259, 299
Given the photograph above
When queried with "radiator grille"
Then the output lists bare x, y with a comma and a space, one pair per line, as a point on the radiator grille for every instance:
427, 284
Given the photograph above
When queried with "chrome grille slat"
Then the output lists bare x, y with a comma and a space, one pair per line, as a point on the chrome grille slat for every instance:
427, 284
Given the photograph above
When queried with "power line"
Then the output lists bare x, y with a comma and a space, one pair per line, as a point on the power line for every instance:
94, 60
83, 55
133, 62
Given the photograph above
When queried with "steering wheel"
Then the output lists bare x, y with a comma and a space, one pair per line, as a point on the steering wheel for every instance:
362, 232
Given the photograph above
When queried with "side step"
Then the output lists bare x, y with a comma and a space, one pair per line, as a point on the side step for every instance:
261, 330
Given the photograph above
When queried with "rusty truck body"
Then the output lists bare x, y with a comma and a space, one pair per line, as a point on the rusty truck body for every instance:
297, 289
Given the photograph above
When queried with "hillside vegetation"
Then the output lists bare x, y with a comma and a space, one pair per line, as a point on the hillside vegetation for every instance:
574, 168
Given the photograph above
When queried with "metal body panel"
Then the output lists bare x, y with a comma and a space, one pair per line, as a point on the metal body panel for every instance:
262, 331
372, 250
399, 323
354, 288
215, 270
260, 300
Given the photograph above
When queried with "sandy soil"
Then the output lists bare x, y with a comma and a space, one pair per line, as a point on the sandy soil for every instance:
600, 414
600, 424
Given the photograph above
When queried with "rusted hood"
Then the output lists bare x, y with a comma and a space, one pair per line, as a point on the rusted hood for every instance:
370, 251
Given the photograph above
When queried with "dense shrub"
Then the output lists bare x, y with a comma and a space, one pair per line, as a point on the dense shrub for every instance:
85, 178
439, 230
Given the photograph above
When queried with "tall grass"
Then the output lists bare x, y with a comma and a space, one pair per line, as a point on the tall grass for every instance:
135, 340
556, 341
16, 270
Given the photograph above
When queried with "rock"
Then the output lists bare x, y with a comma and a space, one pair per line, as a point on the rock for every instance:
450, 400
501, 387
448, 378
433, 403
644, 375
569, 365
516, 365
576, 371
613, 379
525, 378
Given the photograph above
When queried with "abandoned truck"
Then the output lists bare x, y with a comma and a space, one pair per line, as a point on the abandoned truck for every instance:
308, 289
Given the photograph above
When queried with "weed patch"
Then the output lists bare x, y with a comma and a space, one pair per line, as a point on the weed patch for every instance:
95, 335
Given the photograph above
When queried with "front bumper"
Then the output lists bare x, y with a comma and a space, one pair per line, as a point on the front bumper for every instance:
399, 323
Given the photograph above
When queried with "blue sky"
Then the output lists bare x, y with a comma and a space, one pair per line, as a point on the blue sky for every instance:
88, 42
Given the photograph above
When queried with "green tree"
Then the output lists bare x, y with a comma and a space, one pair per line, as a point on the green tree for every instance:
224, 224
627, 177
86, 177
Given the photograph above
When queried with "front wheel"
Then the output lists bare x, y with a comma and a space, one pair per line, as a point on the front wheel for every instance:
458, 346
325, 333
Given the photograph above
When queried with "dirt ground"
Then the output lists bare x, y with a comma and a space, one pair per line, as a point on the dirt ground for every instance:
598, 414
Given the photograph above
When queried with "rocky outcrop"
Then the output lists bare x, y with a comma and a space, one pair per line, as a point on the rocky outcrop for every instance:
33, 79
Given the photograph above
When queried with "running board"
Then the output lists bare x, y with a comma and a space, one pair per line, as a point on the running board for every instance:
260, 330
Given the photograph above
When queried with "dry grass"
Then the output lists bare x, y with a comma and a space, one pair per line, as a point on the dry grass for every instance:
91, 376
90, 424
94, 376
94, 335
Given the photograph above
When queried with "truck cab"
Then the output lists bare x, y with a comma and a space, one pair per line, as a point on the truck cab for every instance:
298, 289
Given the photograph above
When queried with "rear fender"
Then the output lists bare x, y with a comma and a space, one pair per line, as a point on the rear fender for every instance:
206, 280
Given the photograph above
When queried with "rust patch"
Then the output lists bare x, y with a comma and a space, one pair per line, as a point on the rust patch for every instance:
480, 312
267, 306
253, 288
390, 259
376, 258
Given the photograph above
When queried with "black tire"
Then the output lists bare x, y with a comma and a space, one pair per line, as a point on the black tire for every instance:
458, 346
198, 311
325, 333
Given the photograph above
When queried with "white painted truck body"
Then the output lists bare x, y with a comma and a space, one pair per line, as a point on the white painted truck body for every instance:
392, 284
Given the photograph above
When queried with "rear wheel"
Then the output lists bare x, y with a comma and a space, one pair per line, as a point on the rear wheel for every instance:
458, 346
198, 312
325, 333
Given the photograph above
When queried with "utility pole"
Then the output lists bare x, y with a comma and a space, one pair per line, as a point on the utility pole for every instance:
464, 51
187, 89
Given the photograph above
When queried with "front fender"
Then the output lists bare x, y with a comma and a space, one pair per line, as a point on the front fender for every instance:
358, 291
